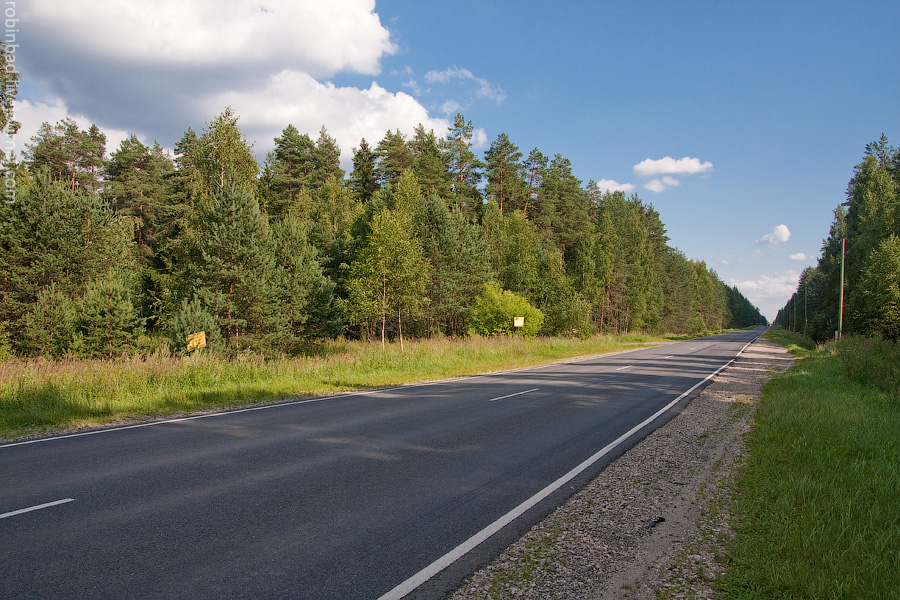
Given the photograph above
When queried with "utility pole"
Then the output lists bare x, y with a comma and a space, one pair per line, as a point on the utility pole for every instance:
840, 331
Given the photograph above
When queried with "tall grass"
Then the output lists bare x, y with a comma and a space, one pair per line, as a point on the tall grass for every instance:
40, 396
819, 499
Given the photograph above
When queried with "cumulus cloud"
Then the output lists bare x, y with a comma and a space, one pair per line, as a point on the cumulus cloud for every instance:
779, 235
655, 185
768, 292
320, 38
799, 256
660, 184
670, 166
662, 171
349, 113
609, 185
156, 69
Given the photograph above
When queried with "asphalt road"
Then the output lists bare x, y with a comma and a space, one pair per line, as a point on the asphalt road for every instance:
362, 495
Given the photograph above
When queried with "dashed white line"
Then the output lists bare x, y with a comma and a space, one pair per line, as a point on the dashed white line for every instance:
38, 507
625, 367
516, 394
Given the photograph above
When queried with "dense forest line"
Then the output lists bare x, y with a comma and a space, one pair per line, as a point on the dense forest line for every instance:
863, 245
104, 255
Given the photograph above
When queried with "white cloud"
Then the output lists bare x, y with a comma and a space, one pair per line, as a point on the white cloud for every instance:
768, 293
609, 185
767, 286
655, 185
779, 235
799, 256
484, 90
158, 68
670, 166
320, 38
349, 113
660, 184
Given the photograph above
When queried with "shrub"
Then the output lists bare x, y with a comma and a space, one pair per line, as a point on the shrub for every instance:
194, 317
495, 311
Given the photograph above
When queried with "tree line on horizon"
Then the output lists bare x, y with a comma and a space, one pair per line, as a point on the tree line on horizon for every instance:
103, 255
863, 244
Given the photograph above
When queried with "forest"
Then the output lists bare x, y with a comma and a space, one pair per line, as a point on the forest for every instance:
863, 246
127, 252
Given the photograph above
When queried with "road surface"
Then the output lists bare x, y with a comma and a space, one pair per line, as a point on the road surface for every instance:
365, 495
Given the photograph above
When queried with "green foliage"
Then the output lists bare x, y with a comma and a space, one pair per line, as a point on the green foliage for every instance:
98, 255
879, 308
192, 318
107, 321
59, 236
872, 362
387, 280
48, 328
495, 311
229, 244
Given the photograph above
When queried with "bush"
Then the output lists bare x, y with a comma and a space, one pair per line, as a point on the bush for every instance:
194, 317
871, 361
495, 311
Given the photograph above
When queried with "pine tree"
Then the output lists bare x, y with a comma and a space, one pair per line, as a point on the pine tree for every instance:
430, 166
363, 179
504, 174
459, 261
394, 157
54, 234
290, 164
327, 159
303, 294
229, 260
464, 166
136, 187
70, 155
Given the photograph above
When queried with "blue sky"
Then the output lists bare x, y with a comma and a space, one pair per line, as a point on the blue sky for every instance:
740, 122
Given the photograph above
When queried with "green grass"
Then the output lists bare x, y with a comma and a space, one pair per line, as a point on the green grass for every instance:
818, 501
41, 396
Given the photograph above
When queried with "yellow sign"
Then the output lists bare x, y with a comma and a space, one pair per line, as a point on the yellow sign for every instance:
519, 321
195, 340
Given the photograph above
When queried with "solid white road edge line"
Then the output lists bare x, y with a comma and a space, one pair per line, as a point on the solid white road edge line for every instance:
516, 394
470, 544
38, 507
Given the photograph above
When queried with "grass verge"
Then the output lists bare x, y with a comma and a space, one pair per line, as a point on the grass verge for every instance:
818, 501
39, 397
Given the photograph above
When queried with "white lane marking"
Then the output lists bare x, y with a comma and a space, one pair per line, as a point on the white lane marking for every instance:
625, 367
516, 394
38, 507
670, 356
470, 544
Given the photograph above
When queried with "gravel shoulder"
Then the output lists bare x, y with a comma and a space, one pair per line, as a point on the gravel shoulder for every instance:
654, 523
